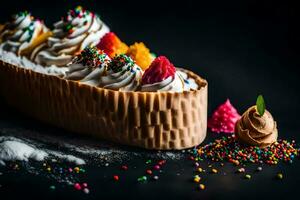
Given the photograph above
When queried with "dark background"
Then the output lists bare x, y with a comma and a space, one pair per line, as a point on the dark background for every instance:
243, 48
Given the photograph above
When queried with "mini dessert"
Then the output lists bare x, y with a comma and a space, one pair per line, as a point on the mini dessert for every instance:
140, 54
81, 28
23, 34
88, 66
109, 98
256, 128
224, 118
112, 45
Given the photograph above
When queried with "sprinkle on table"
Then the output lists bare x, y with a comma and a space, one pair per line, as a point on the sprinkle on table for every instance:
201, 186
77, 186
241, 170
259, 169
247, 176
124, 167
279, 176
197, 178
142, 179
116, 177
52, 187
229, 149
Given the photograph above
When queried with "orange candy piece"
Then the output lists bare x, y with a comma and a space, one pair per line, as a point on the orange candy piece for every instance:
140, 54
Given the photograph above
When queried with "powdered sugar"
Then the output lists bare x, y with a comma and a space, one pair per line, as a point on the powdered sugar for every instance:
11, 150
15, 149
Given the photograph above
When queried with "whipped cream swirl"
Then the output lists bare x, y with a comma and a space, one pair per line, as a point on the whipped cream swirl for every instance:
256, 130
172, 84
88, 66
122, 74
80, 29
189, 83
21, 33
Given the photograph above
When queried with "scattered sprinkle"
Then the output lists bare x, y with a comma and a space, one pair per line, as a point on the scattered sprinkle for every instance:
197, 178
247, 176
279, 176
259, 169
148, 161
241, 170
52, 187
86, 190
200, 170
84, 185
201, 186
142, 179
156, 167
77, 186
124, 167
116, 177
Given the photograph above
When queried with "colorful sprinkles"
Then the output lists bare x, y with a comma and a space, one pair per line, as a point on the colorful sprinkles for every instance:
118, 62
22, 13
77, 12
229, 149
91, 56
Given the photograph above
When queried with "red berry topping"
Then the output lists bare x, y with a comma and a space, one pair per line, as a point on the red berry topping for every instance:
224, 118
160, 69
112, 45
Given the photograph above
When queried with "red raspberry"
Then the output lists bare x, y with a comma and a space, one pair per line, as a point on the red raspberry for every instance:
160, 69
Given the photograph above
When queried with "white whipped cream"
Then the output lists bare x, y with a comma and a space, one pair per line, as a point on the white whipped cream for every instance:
189, 83
128, 79
21, 33
23, 62
171, 84
88, 72
87, 30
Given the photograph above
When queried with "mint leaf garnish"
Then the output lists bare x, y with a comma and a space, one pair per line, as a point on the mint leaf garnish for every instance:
260, 105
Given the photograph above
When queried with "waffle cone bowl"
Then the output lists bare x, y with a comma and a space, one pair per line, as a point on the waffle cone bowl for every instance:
152, 120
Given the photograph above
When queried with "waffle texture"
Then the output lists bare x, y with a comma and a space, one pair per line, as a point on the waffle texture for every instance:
152, 120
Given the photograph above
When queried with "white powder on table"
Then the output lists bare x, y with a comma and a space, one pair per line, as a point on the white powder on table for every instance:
15, 149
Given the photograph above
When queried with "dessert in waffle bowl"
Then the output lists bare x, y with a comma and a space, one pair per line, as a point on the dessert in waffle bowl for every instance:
83, 78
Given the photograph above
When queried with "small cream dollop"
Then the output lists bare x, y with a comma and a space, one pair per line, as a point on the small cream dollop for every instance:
256, 130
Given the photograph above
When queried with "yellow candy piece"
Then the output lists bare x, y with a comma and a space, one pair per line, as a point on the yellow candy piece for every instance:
140, 54
197, 179
36, 42
201, 186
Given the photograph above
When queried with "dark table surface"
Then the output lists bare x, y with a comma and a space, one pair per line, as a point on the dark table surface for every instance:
242, 48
